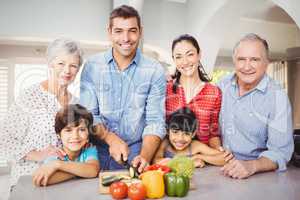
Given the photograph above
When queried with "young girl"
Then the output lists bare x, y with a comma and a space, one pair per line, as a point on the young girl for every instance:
73, 125
182, 126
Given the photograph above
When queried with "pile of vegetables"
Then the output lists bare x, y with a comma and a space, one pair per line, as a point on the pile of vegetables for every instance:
156, 180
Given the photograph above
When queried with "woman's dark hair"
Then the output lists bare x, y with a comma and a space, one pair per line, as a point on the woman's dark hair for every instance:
202, 74
73, 113
183, 119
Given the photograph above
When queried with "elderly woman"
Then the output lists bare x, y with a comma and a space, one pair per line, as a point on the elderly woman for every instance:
27, 132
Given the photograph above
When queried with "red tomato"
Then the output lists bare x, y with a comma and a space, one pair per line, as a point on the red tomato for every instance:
137, 191
118, 190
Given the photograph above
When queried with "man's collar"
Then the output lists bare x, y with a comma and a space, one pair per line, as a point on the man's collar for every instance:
262, 85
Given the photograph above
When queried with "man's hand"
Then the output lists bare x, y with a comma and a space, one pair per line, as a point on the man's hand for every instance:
139, 162
41, 176
239, 169
118, 149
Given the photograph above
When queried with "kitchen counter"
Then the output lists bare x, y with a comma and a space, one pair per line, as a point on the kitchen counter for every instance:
209, 182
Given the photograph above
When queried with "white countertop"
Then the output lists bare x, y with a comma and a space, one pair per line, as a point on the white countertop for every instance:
211, 185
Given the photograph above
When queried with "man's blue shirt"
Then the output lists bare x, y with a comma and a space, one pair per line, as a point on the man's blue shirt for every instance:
130, 103
258, 123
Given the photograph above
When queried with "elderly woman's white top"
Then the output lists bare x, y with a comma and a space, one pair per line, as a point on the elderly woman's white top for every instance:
29, 125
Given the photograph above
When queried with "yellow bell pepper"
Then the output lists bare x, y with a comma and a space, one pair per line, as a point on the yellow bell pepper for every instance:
154, 183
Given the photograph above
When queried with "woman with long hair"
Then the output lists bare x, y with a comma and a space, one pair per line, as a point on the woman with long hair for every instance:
190, 88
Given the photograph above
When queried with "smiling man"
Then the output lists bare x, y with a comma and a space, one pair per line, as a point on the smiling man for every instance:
255, 116
125, 91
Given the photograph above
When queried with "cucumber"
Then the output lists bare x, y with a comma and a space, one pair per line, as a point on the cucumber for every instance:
133, 172
107, 181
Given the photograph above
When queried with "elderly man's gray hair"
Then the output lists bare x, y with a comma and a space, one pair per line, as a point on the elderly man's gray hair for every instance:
252, 37
63, 45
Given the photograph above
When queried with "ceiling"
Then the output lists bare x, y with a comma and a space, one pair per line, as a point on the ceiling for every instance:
268, 11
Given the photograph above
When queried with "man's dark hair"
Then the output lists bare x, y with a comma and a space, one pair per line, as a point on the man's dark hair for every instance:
183, 119
125, 12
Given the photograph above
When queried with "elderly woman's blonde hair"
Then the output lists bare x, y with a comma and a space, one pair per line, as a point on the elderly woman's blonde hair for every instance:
65, 46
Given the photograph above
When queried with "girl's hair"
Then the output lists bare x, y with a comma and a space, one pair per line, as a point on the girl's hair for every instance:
183, 119
202, 74
73, 113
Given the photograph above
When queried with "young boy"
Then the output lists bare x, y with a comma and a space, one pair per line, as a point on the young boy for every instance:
73, 125
182, 126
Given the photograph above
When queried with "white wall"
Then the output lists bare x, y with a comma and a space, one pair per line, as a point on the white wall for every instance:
163, 21
298, 38
223, 28
280, 36
216, 24
79, 19
291, 7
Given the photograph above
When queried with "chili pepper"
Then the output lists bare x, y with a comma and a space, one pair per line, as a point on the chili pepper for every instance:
176, 185
163, 168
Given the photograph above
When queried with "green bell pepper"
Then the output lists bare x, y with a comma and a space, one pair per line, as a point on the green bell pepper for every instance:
176, 185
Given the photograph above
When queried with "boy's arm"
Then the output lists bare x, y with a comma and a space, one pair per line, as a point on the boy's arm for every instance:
89, 169
58, 171
60, 176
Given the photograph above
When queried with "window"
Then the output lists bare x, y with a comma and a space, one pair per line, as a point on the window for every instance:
278, 71
28, 74
4, 82
4, 97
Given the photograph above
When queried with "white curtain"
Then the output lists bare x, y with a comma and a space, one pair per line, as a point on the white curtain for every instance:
278, 71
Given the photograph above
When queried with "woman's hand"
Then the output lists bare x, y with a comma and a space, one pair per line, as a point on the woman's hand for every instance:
39, 156
198, 162
41, 176
164, 161
226, 154
52, 151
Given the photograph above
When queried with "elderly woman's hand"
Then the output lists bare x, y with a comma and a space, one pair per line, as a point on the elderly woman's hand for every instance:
52, 151
39, 156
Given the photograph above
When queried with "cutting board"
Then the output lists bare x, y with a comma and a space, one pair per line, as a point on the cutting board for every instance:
105, 189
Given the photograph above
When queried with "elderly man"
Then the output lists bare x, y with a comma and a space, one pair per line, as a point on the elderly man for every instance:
125, 92
255, 118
